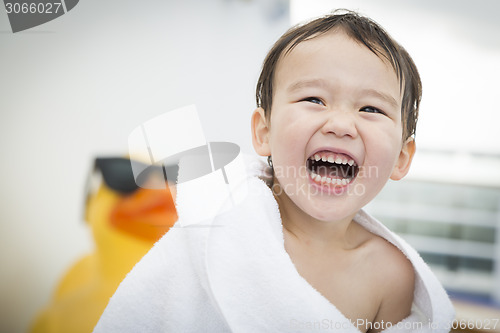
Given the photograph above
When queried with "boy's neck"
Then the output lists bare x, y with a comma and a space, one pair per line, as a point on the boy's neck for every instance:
315, 233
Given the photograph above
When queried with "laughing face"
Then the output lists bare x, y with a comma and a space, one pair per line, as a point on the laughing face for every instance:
335, 132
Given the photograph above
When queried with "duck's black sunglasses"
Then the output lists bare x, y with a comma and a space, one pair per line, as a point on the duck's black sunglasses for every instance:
117, 173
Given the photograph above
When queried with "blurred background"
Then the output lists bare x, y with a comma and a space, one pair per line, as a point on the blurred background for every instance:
75, 88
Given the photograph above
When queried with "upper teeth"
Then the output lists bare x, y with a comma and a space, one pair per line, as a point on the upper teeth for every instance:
332, 159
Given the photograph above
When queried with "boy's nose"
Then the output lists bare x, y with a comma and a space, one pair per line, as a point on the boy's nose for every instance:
341, 123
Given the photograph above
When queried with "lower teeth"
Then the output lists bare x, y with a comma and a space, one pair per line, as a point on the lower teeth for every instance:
326, 180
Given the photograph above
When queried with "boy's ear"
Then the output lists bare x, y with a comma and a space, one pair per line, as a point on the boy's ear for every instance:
404, 160
260, 133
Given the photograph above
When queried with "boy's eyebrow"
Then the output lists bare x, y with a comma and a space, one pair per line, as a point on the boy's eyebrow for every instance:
378, 94
307, 83
324, 84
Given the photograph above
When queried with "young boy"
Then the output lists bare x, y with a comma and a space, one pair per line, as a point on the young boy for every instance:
337, 107
337, 91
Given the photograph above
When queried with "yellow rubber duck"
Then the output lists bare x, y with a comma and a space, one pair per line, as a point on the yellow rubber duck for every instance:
125, 221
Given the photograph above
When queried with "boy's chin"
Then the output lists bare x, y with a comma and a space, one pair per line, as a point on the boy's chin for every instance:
326, 212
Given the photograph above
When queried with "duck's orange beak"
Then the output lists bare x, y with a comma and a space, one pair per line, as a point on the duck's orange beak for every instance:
146, 213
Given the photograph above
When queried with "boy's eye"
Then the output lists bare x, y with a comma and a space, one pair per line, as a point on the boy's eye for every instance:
371, 109
314, 100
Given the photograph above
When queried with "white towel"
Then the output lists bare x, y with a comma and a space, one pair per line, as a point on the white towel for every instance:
234, 275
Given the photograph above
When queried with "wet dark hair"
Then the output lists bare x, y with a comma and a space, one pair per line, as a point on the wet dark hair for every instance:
363, 30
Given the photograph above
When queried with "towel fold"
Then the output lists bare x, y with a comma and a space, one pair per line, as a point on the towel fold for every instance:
232, 274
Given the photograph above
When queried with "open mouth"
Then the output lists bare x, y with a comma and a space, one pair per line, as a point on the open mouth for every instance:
328, 168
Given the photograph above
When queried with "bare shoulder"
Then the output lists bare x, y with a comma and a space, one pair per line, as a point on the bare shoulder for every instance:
396, 277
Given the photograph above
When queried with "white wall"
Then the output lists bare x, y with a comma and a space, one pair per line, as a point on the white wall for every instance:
78, 85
